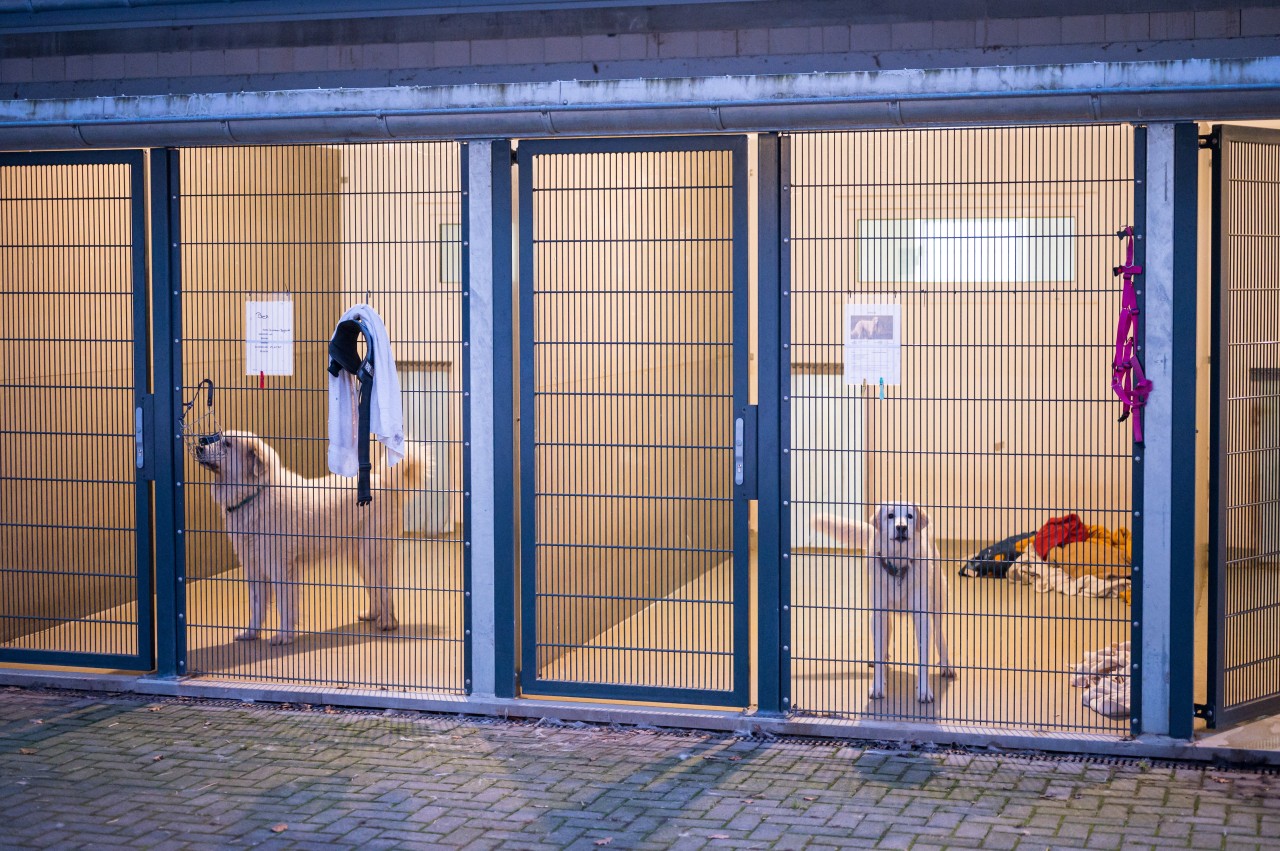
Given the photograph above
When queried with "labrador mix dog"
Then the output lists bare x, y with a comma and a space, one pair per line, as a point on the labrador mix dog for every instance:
903, 575
277, 521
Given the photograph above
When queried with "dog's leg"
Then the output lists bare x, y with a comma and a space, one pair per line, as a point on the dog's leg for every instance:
259, 600
923, 692
880, 638
940, 637
257, 611
375, 559
939, 602
287, 601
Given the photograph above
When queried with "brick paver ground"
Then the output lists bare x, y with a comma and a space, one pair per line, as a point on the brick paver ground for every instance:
88, 771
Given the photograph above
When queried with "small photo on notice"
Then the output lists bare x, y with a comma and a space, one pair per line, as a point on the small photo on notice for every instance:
862, 327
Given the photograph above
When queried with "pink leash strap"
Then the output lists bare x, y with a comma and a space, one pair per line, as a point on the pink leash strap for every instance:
1127, 378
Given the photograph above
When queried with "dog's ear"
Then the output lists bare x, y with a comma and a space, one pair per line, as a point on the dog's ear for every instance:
922, 517
257, 465
878, 517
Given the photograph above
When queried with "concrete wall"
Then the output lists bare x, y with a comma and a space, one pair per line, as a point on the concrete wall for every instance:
803, 36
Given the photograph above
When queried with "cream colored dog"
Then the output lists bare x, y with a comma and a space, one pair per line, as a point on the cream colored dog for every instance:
904, 575
277, 520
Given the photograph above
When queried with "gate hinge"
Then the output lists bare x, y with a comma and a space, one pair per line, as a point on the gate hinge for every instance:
1208, 142
1204, 711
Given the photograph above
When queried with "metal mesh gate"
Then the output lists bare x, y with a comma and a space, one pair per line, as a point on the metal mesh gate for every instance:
1244, 617
378, 593
633, 326
75, 567
950, 320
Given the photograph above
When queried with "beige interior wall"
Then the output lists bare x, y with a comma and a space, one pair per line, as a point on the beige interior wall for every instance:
66, 399
608, 570
398, 256
981, 431
258, 221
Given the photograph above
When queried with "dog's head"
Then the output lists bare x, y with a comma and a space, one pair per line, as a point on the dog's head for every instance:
900, 522
239, 458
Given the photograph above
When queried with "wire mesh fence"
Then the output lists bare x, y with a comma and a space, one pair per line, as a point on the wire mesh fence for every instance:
630, 573
951, 316
70, 574
353, 596
1245, 615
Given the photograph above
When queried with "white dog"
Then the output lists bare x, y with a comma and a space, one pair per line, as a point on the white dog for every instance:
277, 520
903, 576
864, 329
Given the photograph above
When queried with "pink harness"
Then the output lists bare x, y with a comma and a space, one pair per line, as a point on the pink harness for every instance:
1127, 378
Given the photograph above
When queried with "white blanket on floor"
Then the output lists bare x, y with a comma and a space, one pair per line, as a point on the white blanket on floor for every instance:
1104, 674
1030, 569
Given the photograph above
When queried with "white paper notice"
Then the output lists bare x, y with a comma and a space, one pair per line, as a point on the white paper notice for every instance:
872, 343
268, 337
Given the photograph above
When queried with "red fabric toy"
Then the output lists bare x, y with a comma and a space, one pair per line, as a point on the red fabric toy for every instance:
1059, 531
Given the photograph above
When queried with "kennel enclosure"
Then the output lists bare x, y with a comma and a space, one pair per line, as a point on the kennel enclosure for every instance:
663, 356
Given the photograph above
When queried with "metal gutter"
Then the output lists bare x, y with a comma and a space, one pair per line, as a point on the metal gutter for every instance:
1197, 89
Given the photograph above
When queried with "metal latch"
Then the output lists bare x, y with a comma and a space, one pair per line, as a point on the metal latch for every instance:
137, 436
739, 450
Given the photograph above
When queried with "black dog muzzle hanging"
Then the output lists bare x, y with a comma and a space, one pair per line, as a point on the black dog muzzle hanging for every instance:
345, 354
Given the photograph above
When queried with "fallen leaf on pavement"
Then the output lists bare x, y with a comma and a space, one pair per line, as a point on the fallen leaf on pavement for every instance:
26, 751
279, 828
604, 841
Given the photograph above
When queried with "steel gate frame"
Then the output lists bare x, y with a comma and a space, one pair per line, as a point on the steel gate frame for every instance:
529, 682
779, 150
146, 453
1223, 427
166, 222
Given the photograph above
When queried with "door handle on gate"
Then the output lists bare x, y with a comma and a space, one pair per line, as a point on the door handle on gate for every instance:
739, 443
137, 435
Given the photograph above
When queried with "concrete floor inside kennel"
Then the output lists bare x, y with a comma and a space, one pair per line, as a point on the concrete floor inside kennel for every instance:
999, 624
334, 648
1014, 648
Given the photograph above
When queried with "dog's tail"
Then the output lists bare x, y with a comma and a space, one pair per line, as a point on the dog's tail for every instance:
853, 534
413, 473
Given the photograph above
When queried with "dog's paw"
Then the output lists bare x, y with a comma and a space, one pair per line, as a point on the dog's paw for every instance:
368, 615
876, 692
925, 695
282, 638
247, 635
948, 672
388, 623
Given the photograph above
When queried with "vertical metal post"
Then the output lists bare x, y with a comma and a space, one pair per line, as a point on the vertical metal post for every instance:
487, 200
1164, 567
469, 388
1182, 659
1137, 610
525, 476
504, 417
1218, 419
170, 555
143, 408
772, 688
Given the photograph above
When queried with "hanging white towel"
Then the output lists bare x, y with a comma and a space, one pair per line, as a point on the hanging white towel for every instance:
386, 416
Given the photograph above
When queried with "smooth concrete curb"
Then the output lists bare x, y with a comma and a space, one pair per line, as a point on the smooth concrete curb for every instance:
726, 721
